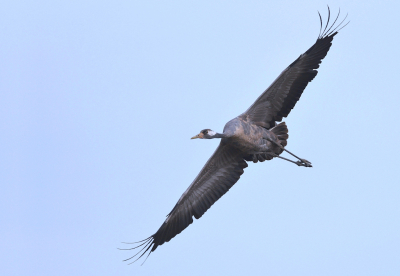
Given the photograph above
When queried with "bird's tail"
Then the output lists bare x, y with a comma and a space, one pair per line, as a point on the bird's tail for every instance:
281, 131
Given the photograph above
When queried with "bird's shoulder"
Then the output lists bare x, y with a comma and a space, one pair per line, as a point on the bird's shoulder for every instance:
236, 126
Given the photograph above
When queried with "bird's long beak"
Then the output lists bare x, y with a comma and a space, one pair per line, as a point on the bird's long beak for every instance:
200, 135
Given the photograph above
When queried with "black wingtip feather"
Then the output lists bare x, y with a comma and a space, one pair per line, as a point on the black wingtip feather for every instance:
329, 32
145, 246
310, 64
151, 243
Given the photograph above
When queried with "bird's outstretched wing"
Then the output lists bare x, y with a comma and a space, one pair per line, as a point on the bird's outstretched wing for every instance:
218, 175
279, 99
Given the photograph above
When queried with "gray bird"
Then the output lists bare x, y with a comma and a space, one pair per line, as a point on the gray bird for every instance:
252, 136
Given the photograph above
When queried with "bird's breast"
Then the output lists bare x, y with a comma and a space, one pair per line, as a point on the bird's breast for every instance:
246, 137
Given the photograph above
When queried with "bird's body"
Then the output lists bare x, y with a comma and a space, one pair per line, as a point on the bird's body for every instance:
247, 137
252, 136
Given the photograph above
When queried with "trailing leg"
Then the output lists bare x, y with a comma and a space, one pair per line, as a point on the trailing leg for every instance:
301, 162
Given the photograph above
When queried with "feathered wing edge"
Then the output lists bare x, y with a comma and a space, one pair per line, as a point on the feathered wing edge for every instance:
328, 32
314, 56
146, 244
218, 175
282, 95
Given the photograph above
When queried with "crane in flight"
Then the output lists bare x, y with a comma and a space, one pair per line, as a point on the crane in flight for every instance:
254, 136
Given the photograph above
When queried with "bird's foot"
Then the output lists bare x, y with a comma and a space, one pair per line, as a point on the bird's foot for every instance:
303, 162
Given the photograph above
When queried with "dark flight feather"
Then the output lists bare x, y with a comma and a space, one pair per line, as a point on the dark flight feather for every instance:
282, 95
218, 175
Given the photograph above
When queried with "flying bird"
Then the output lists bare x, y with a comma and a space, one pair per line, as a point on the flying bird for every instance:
253, 136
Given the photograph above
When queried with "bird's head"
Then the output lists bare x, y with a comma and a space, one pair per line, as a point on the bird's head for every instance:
206, 134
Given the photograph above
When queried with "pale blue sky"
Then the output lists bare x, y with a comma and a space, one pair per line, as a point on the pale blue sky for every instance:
98, 103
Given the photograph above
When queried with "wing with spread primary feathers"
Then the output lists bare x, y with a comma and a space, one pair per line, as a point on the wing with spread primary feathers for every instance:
218, 175
279, 99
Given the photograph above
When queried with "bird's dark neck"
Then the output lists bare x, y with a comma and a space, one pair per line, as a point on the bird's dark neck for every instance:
219, 135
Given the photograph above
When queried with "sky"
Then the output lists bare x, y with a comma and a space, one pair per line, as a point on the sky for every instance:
99, 99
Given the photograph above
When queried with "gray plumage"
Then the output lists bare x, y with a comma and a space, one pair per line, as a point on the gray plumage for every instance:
252, 136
